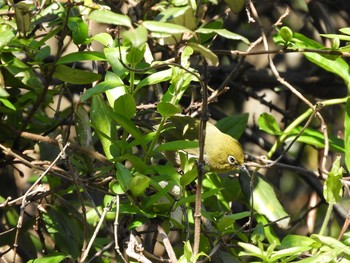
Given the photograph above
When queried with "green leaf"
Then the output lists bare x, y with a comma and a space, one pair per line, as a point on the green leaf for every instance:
268, 124
332, 243
265, 200
81, 56
3, 93
23, 14
43, 53
233, 125
112, 56
104, 38
124, 177
334, 64
135, 55
227, 221
210, 33
64, 229
205, 52
157, 201
297, 240
188, 177
102, 122
53, 257
139, 184
340, 37
79, 30
125, 105
192, 198
292, 251
167, 109
130, 127
75, 76
347, 134
345, 30
21, 71
181, 15
332, 188
99, 88
222, 32
7, 104
83, 126
6, 37
177, 145
185, 56
155, 78
316, 138
286, 33
167, 28
136, 163
109, 17
251, 250
136, 36
337, 66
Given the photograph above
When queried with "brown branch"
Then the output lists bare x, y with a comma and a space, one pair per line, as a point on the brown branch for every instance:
39, 138
168, 247
135, 250
201, 162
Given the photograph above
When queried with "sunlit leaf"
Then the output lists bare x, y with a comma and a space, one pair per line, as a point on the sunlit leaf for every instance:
81, 56
6, 37
222, 32
168, 28
79, 30
101, 120
136, 36
155, 78
7, 104
205, 52
109, 17
139, 184
125, 105
167, 109
265, 200
104, 38
268, 123
99, 88
332, 188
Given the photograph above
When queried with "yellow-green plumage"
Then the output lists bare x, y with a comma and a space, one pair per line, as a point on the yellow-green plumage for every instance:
222, 153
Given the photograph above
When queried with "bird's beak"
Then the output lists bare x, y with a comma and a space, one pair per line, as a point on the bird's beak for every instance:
244, 169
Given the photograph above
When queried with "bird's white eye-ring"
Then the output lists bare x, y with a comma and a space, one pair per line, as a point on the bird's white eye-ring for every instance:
231, 159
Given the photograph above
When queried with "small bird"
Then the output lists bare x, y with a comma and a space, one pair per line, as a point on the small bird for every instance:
222, 152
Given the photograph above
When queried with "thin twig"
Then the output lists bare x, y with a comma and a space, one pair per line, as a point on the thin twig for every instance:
36, 137
97, 229
25, 203
116, 220
134, 245
292, 89
201, 163
100, 252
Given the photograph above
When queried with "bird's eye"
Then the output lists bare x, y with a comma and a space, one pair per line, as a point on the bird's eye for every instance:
231, 159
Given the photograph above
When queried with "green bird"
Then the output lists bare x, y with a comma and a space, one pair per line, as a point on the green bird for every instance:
222, 153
